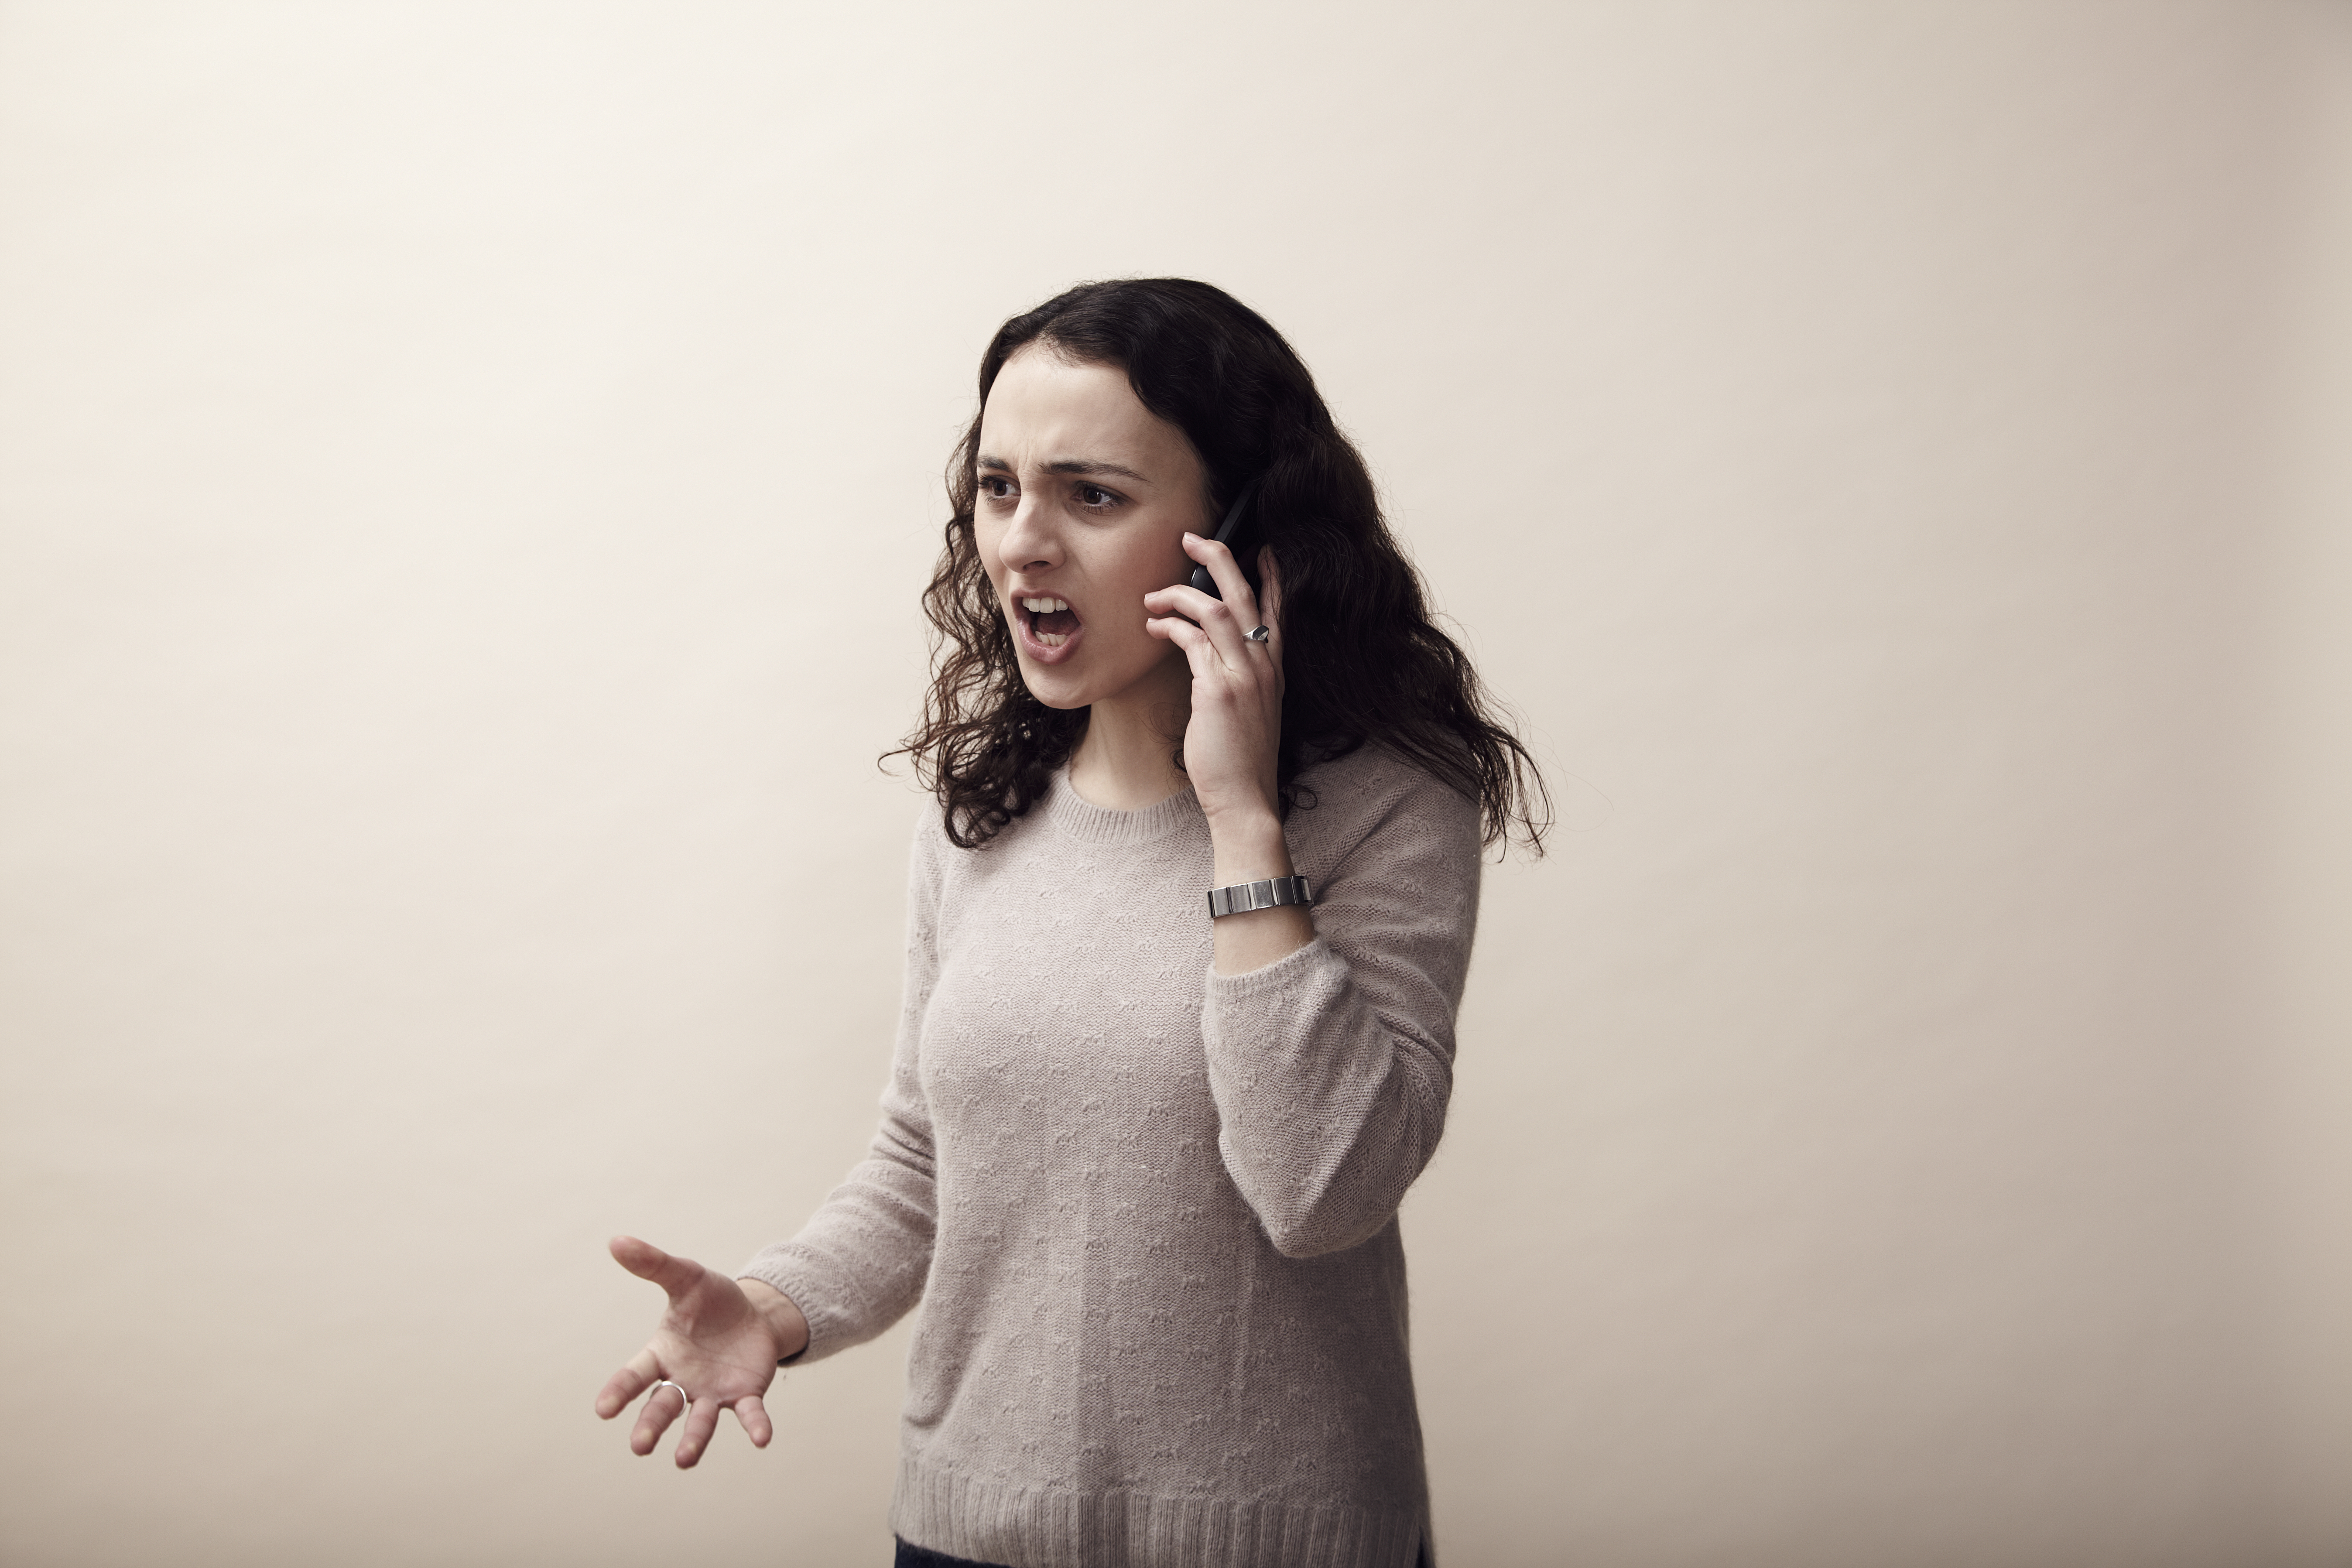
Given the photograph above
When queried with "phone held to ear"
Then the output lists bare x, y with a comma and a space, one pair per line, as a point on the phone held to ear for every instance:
1238, 534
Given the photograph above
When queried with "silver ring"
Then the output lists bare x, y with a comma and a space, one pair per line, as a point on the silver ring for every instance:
682, 1393
1259, 633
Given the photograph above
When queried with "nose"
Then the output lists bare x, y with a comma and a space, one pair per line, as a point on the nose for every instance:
1031, 542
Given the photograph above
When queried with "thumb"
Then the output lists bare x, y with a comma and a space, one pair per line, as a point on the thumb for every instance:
642, 1258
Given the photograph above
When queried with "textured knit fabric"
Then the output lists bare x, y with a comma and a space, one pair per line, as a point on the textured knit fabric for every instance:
1150, 1210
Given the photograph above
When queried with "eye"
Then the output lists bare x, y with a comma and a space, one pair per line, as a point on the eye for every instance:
1097, 497
996, 487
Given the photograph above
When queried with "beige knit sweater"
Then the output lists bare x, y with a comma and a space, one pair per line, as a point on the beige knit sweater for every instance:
1150, 1210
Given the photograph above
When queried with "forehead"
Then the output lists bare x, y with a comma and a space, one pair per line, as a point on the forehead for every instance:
1044, 408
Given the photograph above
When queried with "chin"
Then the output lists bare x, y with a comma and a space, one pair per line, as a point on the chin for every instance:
1056, 689
1062, 701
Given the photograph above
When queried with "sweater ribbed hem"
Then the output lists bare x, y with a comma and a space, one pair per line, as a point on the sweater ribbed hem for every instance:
1043, 1528
1074, 816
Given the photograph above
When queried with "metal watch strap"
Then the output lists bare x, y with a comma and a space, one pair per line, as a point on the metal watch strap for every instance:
1243, 897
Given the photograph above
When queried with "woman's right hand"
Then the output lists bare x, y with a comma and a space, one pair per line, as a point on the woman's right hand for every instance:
714, 1342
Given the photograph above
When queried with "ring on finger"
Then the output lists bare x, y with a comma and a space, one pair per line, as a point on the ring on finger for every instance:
685, 1400
1259, 633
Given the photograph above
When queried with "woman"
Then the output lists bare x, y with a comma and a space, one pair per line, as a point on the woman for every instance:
1141, 1163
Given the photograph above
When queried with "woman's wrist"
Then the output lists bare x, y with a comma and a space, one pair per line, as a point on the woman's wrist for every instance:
1248, 847
786, 1324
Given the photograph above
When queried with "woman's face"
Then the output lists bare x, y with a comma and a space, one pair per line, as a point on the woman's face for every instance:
1085, 497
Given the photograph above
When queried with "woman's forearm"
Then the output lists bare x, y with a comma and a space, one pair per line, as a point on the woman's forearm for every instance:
1331, 1066
1250, 851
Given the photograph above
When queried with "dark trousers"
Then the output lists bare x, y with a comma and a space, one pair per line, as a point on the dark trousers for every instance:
912, 1556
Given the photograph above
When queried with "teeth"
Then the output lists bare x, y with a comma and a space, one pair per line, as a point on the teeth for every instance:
1052, 639
1043, 607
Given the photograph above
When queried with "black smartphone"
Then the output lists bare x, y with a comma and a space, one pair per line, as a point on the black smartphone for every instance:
1236, 535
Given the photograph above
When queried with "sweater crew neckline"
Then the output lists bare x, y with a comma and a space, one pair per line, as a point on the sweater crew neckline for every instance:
1077, 818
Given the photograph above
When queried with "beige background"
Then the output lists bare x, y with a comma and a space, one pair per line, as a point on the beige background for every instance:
465, 476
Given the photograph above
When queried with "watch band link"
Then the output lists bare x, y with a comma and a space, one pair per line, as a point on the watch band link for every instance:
1243, 897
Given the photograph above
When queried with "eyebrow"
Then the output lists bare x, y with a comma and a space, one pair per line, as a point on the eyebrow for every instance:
1069, 466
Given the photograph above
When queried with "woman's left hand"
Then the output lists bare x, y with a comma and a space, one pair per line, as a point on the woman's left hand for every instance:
1234, 735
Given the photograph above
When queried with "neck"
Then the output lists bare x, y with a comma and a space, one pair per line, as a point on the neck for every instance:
1123, 761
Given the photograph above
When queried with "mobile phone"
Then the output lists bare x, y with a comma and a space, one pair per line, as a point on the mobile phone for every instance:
1236, 535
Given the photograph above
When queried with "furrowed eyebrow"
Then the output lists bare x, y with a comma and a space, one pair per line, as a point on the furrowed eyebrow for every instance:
1066, 466
1083, 466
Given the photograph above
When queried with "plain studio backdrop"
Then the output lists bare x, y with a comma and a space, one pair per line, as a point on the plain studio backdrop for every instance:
466, 475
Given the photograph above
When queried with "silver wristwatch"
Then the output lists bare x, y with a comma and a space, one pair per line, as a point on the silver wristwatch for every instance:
1243, 897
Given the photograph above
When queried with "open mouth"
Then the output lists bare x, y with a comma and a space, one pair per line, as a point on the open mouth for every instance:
1051, 621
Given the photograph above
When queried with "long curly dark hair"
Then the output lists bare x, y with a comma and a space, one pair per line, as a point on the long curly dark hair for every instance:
1363, 662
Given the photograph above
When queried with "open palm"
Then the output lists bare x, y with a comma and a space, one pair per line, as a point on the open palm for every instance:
711, 1342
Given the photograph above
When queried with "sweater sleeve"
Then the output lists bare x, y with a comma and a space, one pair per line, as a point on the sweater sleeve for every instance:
1331, 1066
859, 1264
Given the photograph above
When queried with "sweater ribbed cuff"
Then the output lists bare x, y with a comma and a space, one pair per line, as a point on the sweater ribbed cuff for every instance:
776, 1267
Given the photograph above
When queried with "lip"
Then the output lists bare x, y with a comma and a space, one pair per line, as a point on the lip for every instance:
1026, 640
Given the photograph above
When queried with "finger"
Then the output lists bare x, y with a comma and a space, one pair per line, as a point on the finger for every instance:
654, 1418
1175, 630
754, 1418
642, 1258
1200, 654
700, 1423
1218, 617
1250, 607
1182, 599
627, 1384
1226, 572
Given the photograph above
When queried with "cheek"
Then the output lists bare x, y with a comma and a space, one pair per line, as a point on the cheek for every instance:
1151, 562
986, 540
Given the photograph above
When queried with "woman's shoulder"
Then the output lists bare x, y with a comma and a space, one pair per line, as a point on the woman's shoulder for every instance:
1374, 789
